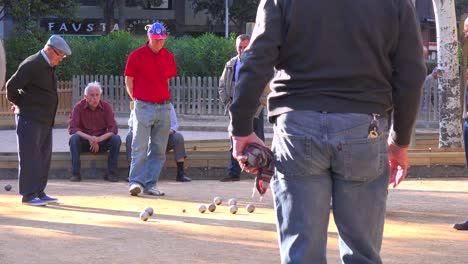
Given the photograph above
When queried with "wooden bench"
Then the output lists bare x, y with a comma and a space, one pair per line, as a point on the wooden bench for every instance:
431, 157
206, 156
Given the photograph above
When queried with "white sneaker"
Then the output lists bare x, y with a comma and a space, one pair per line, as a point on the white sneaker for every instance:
135, 189
154, 191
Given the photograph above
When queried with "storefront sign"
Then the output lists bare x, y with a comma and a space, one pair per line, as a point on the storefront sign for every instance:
82, 27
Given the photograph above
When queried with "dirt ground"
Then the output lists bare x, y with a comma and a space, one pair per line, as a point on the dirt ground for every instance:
97, 222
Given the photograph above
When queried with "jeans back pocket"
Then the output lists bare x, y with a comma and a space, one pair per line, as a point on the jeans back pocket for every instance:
360, 159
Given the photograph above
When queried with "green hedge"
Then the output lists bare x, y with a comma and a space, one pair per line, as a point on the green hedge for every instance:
201, 56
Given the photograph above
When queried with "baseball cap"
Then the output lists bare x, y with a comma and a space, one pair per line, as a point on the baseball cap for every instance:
59, 43
156, 31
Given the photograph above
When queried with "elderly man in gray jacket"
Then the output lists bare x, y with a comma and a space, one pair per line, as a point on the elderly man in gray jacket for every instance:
226, 93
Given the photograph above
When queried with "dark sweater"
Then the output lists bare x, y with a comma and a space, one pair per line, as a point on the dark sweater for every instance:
33, 90
349, 56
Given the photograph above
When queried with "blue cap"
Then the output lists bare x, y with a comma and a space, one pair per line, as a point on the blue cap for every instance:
156, 31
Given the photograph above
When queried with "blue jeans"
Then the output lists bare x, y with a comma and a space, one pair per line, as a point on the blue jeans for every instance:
79, 145
151, 126
323, 156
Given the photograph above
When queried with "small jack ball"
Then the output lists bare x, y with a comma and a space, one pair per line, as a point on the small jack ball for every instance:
149, 210
7, 187
183, 211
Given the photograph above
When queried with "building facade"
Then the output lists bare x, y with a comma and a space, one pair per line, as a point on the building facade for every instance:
177, 15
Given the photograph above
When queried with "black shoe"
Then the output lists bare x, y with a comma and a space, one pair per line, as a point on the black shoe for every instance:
461, 226
76, 177
110, 176
230, 178
183, 178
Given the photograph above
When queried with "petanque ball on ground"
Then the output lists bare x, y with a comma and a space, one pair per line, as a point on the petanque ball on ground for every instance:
144, 216
212, 207
232, 201
217, 200
202, 208
233, 209
149, 210
7, 187
250, 208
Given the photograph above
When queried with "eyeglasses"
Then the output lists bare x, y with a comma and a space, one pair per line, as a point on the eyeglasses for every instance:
56, 53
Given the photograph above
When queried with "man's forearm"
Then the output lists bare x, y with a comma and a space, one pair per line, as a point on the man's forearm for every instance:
83, 135
105, 136
129, 86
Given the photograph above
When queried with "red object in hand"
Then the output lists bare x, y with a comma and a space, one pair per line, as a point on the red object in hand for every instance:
13, 107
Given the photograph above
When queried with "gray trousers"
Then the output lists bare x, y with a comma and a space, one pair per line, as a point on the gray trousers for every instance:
175, 142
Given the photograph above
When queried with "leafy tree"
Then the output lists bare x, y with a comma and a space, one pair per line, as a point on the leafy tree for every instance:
240, 11
27, 13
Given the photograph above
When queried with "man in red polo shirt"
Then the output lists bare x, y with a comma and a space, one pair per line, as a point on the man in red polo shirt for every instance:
93, 128
147, 73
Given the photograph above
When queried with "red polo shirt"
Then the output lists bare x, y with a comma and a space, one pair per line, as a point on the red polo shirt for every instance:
151, 73
94, 123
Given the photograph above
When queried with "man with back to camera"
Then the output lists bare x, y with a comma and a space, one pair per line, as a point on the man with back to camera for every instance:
147, 73
93, 128
33, 92
335, 83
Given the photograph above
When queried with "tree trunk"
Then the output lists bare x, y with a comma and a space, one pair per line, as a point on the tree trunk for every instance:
109, 15
122, 17
450, 126
464, 62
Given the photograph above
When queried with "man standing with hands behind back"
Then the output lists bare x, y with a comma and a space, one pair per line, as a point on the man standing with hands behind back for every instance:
33, 92
147, 73
339, 70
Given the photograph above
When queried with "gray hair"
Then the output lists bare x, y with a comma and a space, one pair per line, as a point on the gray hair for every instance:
93, 85
243, 37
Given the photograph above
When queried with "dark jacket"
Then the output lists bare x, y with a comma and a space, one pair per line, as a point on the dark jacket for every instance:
33, 90
344, 56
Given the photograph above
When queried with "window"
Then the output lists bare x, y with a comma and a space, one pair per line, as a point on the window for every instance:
151, 4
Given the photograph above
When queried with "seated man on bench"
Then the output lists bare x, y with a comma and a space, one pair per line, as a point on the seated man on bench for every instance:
93, 128
175, 142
